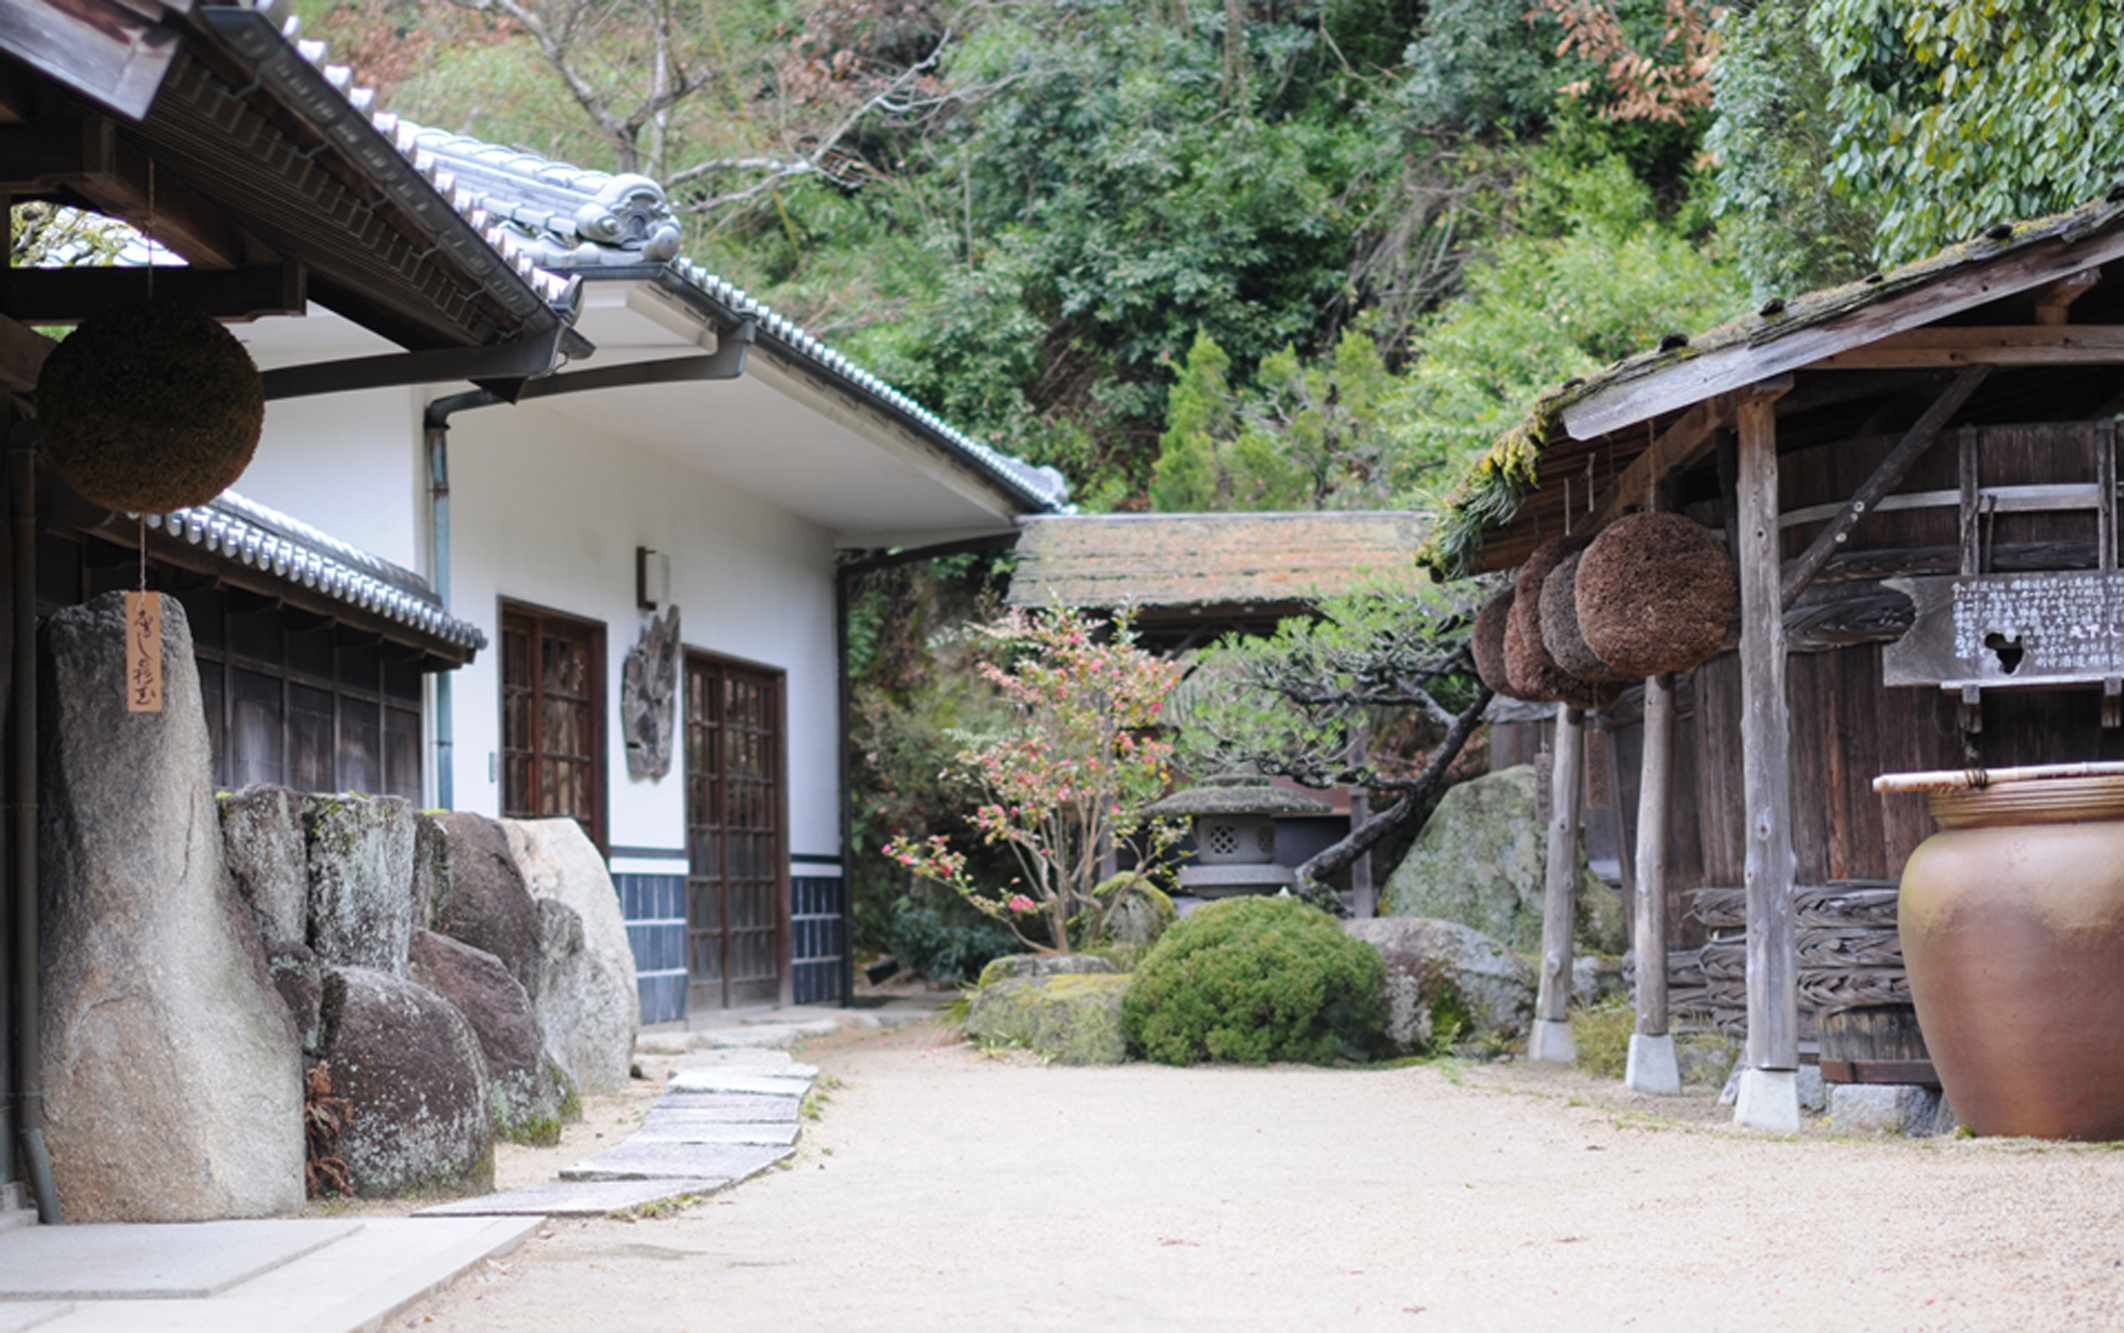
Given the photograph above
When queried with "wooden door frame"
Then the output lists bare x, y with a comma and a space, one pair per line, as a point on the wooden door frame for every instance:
600, 836
785, 979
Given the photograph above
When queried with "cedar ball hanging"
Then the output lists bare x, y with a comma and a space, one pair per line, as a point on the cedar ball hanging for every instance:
1486, 643
1656, 592
1533, 673
150, 408
1538, 683
1559, 628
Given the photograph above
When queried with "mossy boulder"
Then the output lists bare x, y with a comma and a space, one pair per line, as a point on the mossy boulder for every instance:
1446, 983
1482, 860
1252, 980
1071, 1018
1012, 967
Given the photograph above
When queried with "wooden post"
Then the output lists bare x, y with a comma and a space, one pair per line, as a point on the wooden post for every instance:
1651, 1066
1551, 1039
1769, 1092
1364, 895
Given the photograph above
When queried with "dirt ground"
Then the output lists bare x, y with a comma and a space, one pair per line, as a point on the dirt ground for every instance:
941, 1188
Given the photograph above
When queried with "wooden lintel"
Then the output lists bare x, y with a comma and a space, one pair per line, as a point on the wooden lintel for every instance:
1679, 446
1916, 441
2054, 301
163, 206
70, 295
22, 353
2012, 345
51, 152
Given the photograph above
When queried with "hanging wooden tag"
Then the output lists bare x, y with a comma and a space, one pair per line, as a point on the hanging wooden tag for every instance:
1598, 797
143, 652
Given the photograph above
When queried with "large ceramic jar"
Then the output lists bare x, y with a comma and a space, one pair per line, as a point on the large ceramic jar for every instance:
2012, 921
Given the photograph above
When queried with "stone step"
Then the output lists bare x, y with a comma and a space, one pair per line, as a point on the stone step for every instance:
709, 1060
578, 1198
738, 1108
117, 1261
635, 1160
779, 1035
678, 1130
737, 1081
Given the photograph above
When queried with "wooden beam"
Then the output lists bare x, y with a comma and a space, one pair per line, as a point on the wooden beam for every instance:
1770, 1099
85, 155
1551, 1039
22, 353
1681, 444
1916, 441
2014, 345
2054, 303
1674, 385
1654, 801
70, 295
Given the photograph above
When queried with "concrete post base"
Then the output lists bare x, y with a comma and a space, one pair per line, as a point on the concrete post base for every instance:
1769, 1099
1651, 1067
1552, 1041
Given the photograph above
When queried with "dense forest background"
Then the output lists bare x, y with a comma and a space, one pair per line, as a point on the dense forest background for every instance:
1257, 254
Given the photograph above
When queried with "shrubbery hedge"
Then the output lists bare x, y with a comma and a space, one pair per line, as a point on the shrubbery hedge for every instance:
1252, 980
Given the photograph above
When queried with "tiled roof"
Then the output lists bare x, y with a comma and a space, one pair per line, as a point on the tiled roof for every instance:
573, 218
1108, 561
266, 539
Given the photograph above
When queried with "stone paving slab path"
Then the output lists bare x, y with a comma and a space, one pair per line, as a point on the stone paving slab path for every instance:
576, 1198
944, 1189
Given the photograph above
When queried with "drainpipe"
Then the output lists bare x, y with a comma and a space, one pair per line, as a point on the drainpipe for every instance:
29, 1049
438, 431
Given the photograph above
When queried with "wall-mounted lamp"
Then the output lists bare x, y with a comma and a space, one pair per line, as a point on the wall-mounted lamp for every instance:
652, 578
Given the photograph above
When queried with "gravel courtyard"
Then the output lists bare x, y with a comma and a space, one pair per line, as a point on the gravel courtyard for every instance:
945, 1189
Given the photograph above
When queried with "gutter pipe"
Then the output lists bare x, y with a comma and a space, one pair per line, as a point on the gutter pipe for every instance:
29, 1047
727, 362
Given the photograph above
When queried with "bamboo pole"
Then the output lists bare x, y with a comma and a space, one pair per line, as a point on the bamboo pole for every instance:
1769, 1095
1551, 1039
1976, 779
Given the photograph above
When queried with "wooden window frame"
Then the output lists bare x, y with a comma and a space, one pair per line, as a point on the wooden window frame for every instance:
594, 630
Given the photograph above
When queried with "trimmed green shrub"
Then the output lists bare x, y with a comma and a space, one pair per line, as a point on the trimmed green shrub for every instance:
945, 951
1252, 980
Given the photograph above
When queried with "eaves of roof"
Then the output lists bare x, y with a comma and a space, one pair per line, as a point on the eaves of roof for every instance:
1781, 336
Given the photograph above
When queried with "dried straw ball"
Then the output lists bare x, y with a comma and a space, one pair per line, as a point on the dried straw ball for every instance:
150, 408
1656, 593
1526, 607
1559, 628
1540, 680
1486, 643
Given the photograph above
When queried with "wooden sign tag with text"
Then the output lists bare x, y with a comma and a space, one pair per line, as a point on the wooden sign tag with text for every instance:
143, 652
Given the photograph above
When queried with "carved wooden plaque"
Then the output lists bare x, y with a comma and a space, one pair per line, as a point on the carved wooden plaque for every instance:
1997, 630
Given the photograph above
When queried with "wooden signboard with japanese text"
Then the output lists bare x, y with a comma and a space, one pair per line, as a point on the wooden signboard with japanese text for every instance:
1995, 630
143, 652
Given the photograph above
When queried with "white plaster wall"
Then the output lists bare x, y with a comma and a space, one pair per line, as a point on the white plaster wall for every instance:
543, 512
351, 464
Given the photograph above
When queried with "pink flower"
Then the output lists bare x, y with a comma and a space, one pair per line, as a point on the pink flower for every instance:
1020, 903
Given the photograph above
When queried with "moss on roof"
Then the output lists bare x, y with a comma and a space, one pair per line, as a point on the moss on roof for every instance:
1491, 491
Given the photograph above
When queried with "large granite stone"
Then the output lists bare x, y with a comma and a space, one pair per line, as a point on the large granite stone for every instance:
1482, 860
173, 1076
361, 879
261, 835
1441, 974
411, 1067
522, 1089
299, 978
476, 893
1071, 1018
585, 994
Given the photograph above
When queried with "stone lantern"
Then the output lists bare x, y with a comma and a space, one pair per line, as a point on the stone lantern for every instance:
1235, 834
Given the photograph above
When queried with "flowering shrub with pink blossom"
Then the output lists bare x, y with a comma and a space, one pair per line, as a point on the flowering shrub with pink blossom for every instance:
1066, 780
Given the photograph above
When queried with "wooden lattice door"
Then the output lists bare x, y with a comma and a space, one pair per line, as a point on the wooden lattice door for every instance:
737, 885
552, 719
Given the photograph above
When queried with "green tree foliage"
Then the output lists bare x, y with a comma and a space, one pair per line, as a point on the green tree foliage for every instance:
1954, 115
1594, 275
1789, 230
1250, 980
